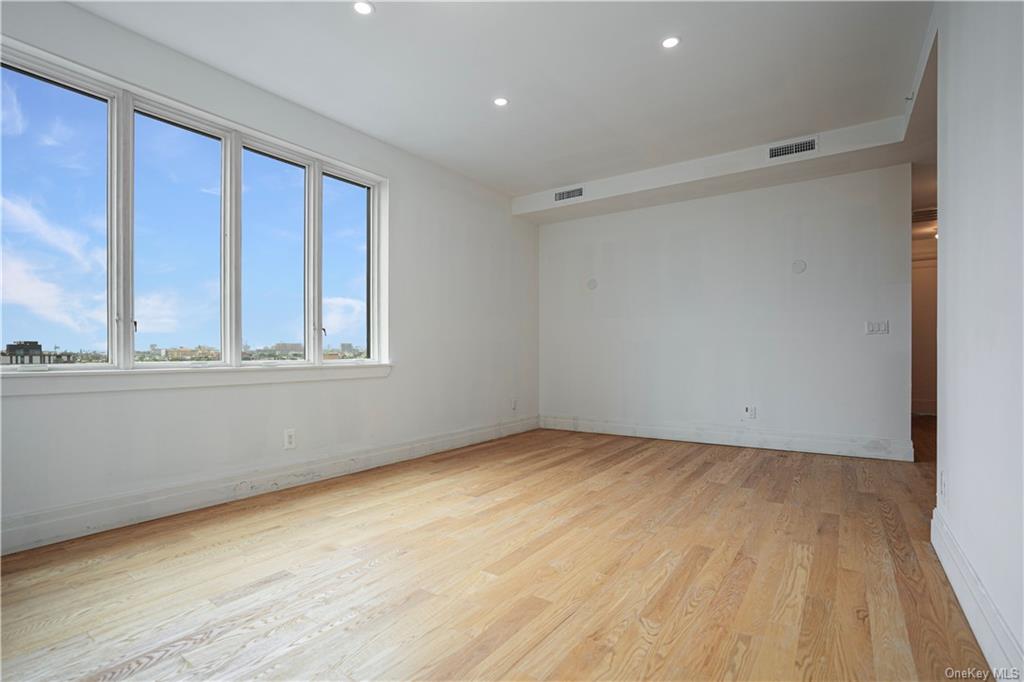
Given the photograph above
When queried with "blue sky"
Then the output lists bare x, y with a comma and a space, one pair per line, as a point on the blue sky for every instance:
54, 232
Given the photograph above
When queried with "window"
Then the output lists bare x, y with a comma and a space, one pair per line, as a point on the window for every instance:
138, 233
54, 200
273, 257
176, 243
346, 237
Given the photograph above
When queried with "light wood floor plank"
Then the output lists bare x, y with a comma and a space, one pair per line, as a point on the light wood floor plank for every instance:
545, 555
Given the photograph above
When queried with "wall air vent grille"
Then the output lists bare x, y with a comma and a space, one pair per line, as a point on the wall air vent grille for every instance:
798, 147
925, 215
569, 194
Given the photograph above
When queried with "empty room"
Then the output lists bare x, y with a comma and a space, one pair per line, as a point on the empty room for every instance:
512, 340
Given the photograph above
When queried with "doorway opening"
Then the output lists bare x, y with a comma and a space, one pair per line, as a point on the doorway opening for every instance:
924, 256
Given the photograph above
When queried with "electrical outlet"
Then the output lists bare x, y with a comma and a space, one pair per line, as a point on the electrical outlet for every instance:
289, 439
876, 327
750, 412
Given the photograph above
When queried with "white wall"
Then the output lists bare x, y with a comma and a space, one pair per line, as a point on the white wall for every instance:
697, 313
924, 290
977, 530
463, 324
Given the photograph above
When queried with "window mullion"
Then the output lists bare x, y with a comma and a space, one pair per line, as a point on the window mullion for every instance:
123, 102
314, 263
231, 250
122, 224
379, 260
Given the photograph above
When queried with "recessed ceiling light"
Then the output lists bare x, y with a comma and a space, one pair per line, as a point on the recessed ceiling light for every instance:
670, 42
500, 102
363, 8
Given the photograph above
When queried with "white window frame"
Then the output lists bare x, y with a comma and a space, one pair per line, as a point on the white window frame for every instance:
172, 116
373, 311
121, 372
310, 267
88, 86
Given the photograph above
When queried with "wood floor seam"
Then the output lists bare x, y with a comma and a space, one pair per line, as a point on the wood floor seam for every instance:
542, 555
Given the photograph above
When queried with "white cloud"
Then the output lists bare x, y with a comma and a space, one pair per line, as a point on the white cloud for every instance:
20, 215
11, 116
343, 316
157, 312
98, 255
211, 288
287, 235
97, 223
58, 134
74, 161
24, 287
215, 191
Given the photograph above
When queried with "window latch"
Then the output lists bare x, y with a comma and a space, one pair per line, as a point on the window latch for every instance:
323, 330
135, 325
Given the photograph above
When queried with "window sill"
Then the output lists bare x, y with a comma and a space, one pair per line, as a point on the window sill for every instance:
59, 381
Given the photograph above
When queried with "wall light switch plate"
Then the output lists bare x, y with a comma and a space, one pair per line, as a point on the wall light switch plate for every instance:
876, 327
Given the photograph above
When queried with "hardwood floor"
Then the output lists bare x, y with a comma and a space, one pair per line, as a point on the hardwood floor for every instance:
922, 430
546, 555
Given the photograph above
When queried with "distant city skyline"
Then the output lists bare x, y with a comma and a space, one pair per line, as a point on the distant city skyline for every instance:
54, 172
31, 351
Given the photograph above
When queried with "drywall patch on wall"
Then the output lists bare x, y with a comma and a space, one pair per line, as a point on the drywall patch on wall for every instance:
700, 323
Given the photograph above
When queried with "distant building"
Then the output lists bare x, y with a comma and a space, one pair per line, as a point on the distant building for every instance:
179, 353
32, 353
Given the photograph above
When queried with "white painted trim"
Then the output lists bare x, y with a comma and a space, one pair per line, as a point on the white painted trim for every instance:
315, 263
1001, 648
231, 250
826, 444
380, 302
61, 523
39, 383
120, 250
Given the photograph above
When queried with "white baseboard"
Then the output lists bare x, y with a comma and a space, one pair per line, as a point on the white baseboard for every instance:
826, 444
33, 529
996, 639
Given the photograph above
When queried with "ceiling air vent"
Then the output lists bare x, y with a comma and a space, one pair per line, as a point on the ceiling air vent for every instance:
795, 147
925, 215
569, 194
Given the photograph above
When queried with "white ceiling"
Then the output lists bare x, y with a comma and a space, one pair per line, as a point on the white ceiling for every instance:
592, 92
